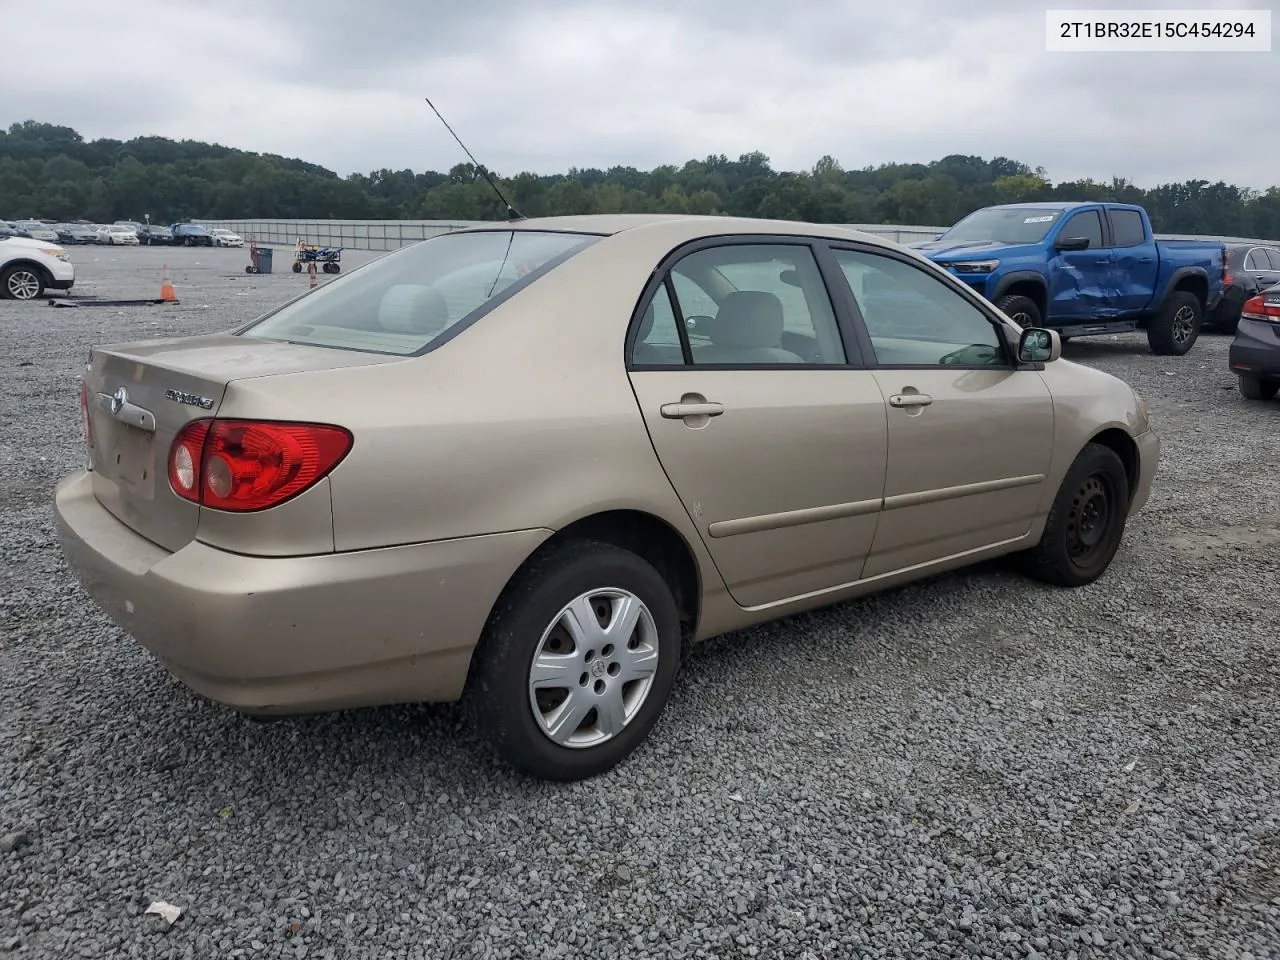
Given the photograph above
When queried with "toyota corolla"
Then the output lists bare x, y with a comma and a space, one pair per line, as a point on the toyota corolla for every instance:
526, 464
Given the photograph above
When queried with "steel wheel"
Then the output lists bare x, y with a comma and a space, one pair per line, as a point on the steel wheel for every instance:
1183, 324
22, 284
1089, 520
593, 668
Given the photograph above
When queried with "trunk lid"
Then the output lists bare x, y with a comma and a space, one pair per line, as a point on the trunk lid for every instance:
141, 394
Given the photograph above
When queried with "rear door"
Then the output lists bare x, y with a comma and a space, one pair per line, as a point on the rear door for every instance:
1134, 263
970, 435
1082, 283
771, 433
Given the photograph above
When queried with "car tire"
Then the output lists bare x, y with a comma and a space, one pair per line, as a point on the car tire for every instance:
1174, 331
1014, 306
1255, 388
21, 282
528, 624
1086, 522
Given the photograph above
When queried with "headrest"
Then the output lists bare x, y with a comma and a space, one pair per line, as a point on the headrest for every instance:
412, 308
748, 318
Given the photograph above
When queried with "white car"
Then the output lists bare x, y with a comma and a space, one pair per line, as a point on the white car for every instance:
30, 267
37, 230
226, 238
120, 234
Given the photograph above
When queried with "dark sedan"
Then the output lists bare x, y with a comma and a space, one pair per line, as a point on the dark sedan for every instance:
155, 233
75, 233
1250, 268
191, 235
1254, 355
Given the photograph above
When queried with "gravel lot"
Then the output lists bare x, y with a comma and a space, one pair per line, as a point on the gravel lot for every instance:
971, 767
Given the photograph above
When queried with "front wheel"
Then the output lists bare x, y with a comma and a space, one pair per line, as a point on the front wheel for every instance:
1255, 388
1086, 522
1175, 329
577, 661
21, 282
1021, 310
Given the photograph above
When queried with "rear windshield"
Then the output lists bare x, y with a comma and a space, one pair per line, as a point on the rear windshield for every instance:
409, 300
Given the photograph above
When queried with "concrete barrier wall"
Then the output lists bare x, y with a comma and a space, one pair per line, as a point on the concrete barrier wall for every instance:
393, 234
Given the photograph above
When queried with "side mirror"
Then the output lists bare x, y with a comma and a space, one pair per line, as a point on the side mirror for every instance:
1071, 243
1037, 345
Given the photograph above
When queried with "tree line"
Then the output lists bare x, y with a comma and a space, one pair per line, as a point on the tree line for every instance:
50, 171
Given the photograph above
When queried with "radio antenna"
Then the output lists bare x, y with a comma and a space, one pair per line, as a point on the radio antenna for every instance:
512, 212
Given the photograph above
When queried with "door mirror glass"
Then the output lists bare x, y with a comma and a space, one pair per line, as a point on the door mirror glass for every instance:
1037, 345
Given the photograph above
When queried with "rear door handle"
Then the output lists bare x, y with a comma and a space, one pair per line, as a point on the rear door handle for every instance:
1145, 259
910, 400
678, 411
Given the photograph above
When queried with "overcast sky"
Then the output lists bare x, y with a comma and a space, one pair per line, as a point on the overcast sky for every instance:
544, 85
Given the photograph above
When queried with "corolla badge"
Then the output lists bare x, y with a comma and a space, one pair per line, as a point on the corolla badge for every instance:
118, 400
190, 399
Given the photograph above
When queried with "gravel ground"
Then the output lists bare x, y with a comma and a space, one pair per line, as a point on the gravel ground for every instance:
970, 767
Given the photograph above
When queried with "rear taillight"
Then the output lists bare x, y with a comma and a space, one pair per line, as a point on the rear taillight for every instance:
244, 465
1262, 307
86, 422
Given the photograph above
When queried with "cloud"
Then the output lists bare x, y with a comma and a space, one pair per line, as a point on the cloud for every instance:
558, 84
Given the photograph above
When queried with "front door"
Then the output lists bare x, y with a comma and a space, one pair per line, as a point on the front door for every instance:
776, 448
970, 436
1082, 283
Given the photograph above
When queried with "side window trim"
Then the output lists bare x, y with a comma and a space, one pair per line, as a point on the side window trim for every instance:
856, 358
849, 304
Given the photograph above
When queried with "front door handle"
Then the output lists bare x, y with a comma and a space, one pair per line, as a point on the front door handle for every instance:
910, 400
1102, 261
679, 411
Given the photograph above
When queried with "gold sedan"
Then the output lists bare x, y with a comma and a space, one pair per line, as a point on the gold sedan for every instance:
527, 464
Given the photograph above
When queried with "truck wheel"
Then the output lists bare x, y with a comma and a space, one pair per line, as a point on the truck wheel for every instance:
1174, 331
1255, 388
1021, 310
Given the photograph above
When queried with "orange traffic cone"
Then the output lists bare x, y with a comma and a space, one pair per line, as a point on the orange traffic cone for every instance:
311, 269
166, 287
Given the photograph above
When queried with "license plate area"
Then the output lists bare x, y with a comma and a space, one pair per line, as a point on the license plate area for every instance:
127, 457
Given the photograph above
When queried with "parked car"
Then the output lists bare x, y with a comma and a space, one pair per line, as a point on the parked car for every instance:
1254, 354
30, 267
7, 229
75, 233
36, 230
1251, 268
1086, 269
223, 237
120, 234
191, 235
155, 234
343, 513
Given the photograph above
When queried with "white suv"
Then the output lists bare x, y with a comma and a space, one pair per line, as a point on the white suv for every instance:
30, 267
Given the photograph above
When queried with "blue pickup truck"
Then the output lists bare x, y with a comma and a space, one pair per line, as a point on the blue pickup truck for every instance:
1084, 269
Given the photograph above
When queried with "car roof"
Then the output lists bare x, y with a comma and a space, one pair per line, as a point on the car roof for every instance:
691, 226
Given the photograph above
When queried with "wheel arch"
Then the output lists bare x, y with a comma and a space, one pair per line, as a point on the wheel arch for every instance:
1123, 446
642, 533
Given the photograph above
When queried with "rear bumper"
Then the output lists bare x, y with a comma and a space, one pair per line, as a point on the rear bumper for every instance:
297, 634
1255, 351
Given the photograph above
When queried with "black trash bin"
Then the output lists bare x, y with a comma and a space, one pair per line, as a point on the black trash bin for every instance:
259, 260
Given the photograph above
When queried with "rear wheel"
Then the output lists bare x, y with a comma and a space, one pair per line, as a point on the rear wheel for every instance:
21, 282
1174, 331
577, 661
1086, 522
1255, 388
